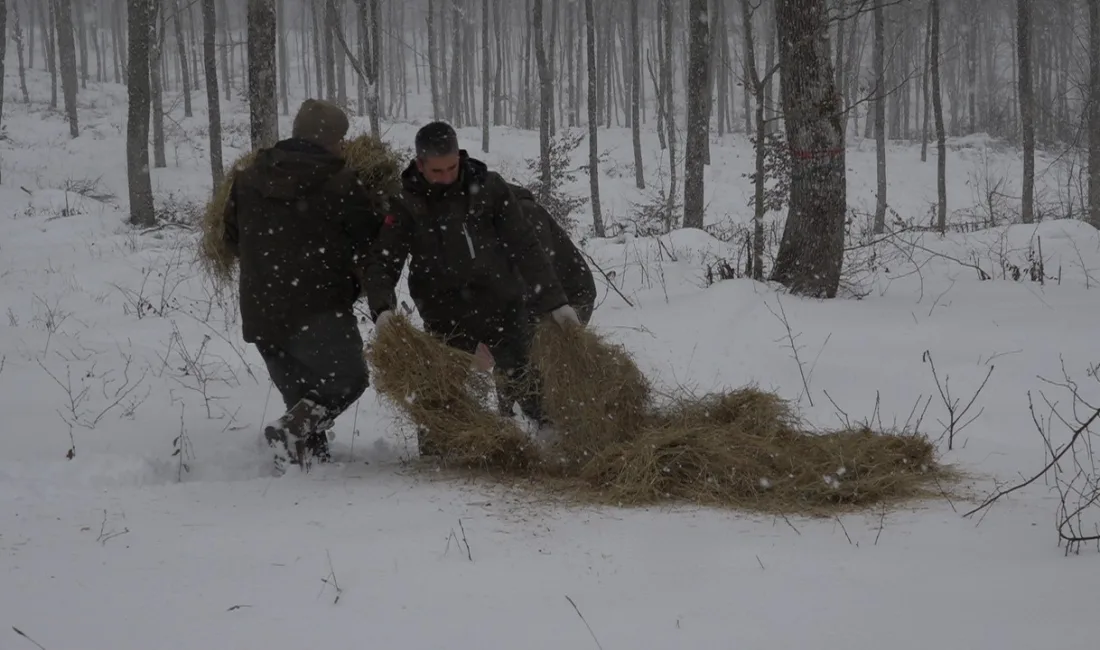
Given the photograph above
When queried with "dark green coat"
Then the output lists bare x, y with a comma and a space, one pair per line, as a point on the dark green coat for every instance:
301, 224
472, 249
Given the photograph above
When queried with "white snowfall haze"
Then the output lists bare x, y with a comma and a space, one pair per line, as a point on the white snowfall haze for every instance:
117, 351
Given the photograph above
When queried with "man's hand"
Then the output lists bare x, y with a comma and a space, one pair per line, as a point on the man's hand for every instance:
383, 318
566, 316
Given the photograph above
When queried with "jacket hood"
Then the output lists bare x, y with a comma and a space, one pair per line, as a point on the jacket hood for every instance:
294, 168
471, 171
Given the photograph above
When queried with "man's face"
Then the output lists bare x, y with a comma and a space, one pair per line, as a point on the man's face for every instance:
440, 170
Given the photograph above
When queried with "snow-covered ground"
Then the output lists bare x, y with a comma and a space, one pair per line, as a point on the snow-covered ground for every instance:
117, 353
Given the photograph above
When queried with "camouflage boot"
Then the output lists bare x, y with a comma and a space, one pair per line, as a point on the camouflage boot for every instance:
289, 435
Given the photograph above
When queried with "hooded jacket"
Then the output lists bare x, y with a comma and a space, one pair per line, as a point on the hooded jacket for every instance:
301, 224
471, 246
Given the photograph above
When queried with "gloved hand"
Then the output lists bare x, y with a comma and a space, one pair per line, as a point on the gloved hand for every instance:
382, 319
566, 316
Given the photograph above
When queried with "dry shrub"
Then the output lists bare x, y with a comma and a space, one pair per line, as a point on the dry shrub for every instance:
747, 449
439, 391
742, 448
376, 162
592, 391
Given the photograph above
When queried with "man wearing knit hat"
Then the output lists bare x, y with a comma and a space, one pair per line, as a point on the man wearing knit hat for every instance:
301, 222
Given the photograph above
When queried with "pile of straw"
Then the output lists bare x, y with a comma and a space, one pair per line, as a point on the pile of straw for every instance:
378, 164
743, 448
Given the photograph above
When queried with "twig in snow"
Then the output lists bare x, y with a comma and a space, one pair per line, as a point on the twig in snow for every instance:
331, 580
791, 336
24, 635
843, 528
107, 535
469, 555
881, 525
954, 414
583, 620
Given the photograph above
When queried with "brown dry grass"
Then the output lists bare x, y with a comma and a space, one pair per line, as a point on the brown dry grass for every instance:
743, 448
436, 387
378, 164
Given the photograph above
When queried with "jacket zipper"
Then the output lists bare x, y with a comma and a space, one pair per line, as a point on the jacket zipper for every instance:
469, 242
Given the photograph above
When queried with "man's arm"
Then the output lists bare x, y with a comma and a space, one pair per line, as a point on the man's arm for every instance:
385, 261
521, 244
231, 235
362, 220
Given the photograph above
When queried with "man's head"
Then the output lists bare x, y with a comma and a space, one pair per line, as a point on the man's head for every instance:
437, 153
321, 123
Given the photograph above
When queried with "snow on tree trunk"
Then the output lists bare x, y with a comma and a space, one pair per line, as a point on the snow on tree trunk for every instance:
18, 36
811, 252
66, 48
213, 105
698, 114
140, 14
263, 98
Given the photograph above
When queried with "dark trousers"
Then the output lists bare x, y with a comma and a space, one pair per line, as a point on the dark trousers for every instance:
507, 332
323, 362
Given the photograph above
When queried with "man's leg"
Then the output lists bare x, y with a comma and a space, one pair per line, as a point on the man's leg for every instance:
325, 369
511, 347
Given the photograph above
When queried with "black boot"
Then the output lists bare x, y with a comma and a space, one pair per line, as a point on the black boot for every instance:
289, 435
317, 445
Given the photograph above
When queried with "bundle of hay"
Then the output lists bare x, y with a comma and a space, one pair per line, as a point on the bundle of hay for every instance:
746, 449
378, 164
592, 391
436, 387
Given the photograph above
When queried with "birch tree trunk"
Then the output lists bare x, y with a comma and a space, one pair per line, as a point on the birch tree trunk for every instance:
636, 93
546, 100
1094, 114
811, 252
937, 110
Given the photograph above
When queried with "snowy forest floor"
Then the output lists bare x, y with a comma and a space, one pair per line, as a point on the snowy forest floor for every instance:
118, 353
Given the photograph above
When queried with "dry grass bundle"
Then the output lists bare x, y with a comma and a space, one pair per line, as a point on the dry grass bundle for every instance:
746, 449
216, 258
437, 389
591, 390
376, 162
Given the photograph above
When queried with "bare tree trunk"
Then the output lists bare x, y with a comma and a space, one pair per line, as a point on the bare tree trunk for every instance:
156, 51
635, 93
137, 120
177, 21
263, 99
1027, 107
67, 50
670, 108
924, 81
811, 253
937, 110
485, 71
82, 40
18, 35
698, 115
546, 101
880, 117
4, 47
284, 56
433, 56
213, 105
593, 121
1094, 114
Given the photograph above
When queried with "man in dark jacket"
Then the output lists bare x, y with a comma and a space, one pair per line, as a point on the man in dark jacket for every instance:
569, 264
301, 224
478, 273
